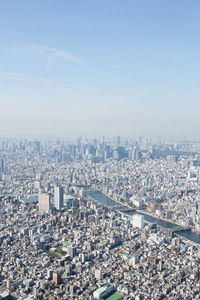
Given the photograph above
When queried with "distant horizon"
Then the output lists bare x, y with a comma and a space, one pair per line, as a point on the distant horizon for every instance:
49, 137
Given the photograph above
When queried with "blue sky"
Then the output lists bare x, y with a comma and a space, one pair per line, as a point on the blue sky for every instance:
100, 67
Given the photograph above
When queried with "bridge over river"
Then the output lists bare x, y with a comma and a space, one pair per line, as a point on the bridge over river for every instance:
181, 231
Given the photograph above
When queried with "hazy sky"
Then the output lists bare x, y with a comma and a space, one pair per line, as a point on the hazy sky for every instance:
105, 67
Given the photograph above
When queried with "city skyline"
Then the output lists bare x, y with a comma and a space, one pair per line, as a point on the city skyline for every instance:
99, 68
99, 219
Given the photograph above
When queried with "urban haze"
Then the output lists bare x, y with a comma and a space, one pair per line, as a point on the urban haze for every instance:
99, 150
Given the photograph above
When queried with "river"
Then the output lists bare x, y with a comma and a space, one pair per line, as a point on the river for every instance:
103, 199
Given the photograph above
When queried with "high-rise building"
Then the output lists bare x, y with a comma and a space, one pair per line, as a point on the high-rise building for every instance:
37, 185
8, 283
1, 165
138, 221
50, 274
57, 279
71, 251
44, 203
98, 274
118, 141
58, 197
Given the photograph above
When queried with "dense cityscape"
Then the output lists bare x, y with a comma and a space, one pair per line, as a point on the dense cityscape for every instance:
99, 218
99, 150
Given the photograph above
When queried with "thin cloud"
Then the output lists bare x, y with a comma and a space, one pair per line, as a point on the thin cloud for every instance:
55, 53
50, 55
25, 78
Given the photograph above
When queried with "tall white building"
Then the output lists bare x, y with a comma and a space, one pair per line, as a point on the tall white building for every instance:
98, 274
138, 221
58, 197
44, 203
37, 185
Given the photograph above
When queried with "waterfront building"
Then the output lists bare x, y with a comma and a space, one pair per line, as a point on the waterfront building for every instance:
138, 221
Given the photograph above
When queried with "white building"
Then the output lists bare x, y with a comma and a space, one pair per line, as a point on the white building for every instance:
104, 292
136, 201
37, 185
44, 203
138, 221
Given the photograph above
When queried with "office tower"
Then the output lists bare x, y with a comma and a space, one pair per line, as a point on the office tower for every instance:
37, 185
57, 279
138, 221
69, 269
79, 142
98, 274
2, 165
8, 283
71, 251
58, 197
118, 141
44, 203
50, 274
37, 146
